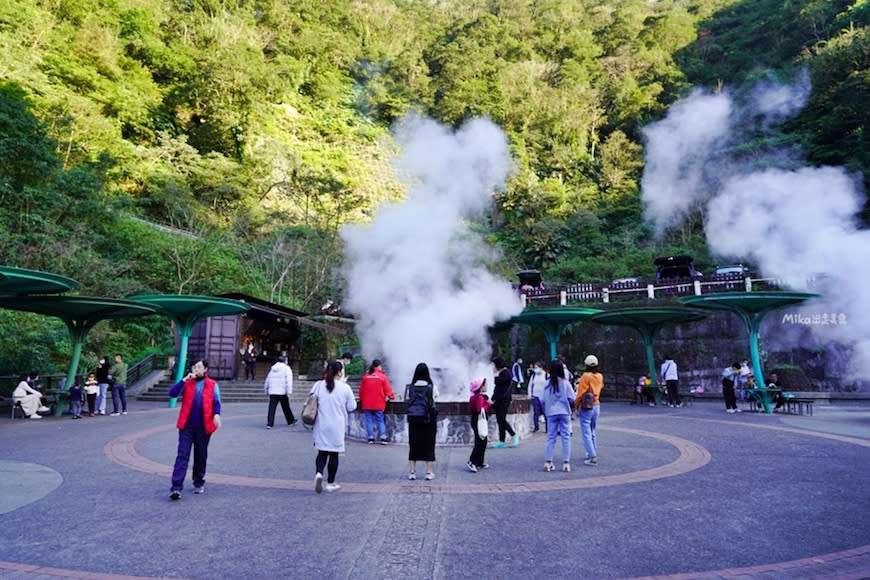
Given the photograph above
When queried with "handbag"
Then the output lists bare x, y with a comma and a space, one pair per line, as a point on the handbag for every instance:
309, 410
482, 425
588, 400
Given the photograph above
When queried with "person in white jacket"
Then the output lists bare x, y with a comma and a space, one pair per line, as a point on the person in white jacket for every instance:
279, 386
334, 401
29, 398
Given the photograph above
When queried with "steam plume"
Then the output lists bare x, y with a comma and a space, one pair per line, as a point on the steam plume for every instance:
796, 223
416, 276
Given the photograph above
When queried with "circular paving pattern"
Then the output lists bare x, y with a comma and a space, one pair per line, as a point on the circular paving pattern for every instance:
692, 456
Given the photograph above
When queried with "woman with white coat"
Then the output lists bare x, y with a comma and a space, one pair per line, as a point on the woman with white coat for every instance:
334, 401
29, 398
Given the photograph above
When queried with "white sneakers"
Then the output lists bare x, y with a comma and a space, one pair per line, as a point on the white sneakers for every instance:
36, 416
44, 409
429, 476
318, 484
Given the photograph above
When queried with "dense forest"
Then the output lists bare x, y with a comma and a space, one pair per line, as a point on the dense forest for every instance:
206, 146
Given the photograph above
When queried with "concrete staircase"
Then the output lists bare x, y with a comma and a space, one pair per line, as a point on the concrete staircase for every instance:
233, 391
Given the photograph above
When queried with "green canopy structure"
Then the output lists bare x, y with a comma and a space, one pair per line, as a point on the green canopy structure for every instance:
18, 281
80, 314
648, 321
553, 321
185, 312
751, 307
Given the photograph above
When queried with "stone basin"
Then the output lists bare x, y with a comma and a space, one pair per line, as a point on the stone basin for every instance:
454, 422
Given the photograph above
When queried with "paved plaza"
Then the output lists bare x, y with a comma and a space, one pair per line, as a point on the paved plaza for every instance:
679, 493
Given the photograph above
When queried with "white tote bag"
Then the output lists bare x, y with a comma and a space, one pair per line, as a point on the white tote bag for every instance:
482, 425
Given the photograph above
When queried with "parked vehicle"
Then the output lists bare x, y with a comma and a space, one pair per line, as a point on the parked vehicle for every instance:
674, 267
731, 270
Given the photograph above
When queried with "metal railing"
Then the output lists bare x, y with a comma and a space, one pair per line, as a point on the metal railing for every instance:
642, 289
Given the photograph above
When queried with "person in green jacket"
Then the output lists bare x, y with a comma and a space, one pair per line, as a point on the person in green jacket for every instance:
118, 376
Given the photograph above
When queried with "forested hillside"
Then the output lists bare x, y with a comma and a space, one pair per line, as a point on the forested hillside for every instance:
204, 146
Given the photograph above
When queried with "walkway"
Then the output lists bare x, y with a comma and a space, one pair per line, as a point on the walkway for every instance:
679, 493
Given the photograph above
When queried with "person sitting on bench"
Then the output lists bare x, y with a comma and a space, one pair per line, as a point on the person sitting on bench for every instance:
775, 383
29, 398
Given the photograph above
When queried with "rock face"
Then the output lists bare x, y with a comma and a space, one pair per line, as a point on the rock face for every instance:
702, 350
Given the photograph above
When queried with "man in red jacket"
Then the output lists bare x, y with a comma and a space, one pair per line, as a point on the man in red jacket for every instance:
199, 417
374, 390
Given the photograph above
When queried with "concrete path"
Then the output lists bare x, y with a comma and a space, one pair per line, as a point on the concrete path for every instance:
679, 493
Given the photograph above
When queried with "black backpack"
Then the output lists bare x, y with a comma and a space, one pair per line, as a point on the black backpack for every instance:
419, 403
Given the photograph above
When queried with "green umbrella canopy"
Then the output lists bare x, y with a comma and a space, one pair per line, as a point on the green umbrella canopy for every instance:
79, 313
648, 321
186, 310
17, 281
751, 307
553, 321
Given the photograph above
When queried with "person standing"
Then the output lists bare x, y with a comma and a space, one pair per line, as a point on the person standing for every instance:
537, 382
118, 375
730, 376
477, 403
75, 400
102, 374
29, 398
517, 378
334, 401
374, 390
199, 417
249, 356
422, 433
556, 397
279, 387
91, 390
591, 380
501, 402
671, 378
740, 382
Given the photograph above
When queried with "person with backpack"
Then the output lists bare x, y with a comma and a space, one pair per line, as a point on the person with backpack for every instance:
730, 376
556, 399
421, 395
591, 382
501, 402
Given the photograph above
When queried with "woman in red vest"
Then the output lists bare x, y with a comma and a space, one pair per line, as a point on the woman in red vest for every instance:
200, 416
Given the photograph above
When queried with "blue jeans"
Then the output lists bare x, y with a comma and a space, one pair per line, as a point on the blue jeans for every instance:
558, 425
101, 398
382, 428
588, 419
537, 410
119, 391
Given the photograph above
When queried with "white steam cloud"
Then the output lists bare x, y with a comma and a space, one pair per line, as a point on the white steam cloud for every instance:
673, 180
416, 276
796, 224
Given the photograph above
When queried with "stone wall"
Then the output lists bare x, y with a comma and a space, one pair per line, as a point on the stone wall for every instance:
454, 422
702, 349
